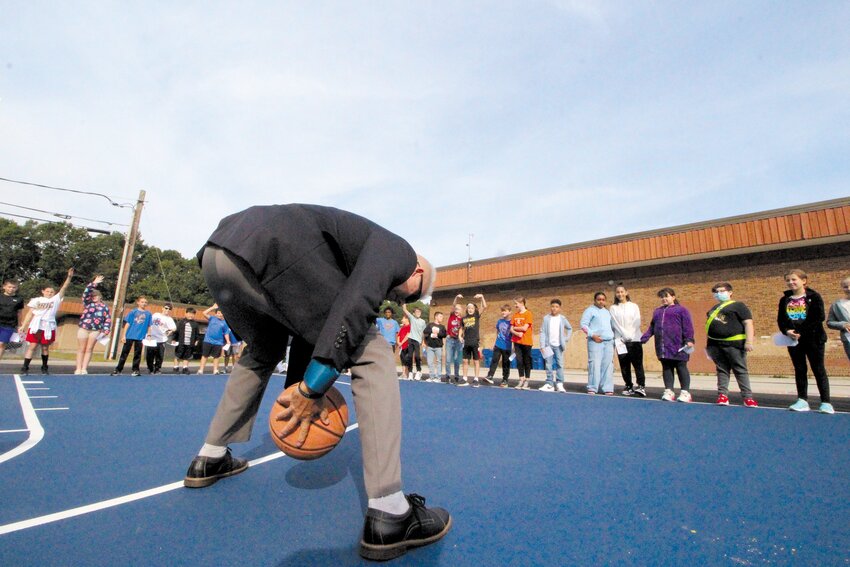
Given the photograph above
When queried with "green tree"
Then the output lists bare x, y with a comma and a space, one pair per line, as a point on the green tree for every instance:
18, 251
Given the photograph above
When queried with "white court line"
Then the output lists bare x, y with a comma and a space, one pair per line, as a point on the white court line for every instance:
50, 409
33, 424
33, 382
13, 430
111, 503
31, 389
42, 397
81, 510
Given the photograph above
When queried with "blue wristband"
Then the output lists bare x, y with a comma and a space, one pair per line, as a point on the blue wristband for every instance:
320, 377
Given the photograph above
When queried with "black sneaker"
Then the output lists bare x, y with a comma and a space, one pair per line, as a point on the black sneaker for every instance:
387, 536
115, 373
44, 370
136, 373
186, 370
176, 370
205, 471
628, 392
640, 391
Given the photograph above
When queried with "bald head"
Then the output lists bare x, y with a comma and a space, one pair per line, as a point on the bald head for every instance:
420, 284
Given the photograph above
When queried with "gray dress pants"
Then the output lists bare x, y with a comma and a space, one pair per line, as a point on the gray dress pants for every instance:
258, 320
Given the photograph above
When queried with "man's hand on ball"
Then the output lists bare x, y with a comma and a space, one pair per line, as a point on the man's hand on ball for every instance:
299, 412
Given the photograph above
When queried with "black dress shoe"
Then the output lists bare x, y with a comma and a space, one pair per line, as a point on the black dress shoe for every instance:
387, 536
205, 471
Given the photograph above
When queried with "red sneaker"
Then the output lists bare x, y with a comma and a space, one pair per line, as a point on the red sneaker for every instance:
751, 403
722, 400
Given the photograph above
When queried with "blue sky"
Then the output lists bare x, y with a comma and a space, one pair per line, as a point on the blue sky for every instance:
528, 124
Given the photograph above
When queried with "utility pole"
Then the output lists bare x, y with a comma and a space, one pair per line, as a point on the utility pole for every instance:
124, 277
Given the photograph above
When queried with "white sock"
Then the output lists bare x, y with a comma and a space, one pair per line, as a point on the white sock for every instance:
393, 504
212, 451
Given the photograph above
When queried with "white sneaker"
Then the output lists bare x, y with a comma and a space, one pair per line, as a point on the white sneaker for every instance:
668, 396
547, 388
685, 396
463, 382
77, 372
417, 376
84, 371
559, 387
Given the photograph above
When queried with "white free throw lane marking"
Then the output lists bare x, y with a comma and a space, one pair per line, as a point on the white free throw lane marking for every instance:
33, 425
73, 512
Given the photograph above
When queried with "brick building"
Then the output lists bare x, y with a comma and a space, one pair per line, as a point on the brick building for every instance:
753, 252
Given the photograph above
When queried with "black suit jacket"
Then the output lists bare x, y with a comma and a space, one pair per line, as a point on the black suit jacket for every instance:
326, 270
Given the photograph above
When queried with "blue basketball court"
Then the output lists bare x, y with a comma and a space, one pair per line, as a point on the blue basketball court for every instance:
91, 472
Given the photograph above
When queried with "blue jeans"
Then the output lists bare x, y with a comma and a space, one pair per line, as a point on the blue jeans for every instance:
433, 355
600, 366
555, 363
454, 353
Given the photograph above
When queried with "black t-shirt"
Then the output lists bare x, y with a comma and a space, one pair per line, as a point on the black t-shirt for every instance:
470, 329
728, 323
434, 335
9, 307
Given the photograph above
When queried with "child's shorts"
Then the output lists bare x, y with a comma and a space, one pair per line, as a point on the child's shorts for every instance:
183, 352
208, 349
470, 352
38, 338
6, 334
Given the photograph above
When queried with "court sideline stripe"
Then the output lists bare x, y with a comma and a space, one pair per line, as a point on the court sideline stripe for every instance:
89, 508
31, 420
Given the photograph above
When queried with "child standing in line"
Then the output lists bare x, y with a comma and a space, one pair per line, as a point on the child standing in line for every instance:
136, 325
39, 325
186, 336
95, 321
470, 335
214, 339
161, 327
234, 353
523, 339
434, 334
673, 330
402, 341
502, 348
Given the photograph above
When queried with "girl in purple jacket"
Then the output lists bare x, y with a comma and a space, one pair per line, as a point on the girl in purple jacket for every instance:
673, 330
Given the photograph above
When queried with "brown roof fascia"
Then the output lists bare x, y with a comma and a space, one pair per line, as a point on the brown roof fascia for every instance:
741, 226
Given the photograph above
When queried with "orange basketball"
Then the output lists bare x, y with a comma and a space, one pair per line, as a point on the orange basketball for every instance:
321, 438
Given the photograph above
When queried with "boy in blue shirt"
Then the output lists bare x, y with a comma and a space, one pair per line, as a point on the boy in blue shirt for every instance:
388, 327
135, 326
218, 335
502, 348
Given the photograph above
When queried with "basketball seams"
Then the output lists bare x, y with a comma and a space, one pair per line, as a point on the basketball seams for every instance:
328, 435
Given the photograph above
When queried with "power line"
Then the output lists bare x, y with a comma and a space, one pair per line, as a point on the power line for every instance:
98, 230
111, 202
63, 216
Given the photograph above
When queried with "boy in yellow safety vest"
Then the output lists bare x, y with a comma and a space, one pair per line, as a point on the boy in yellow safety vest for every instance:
729, 327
